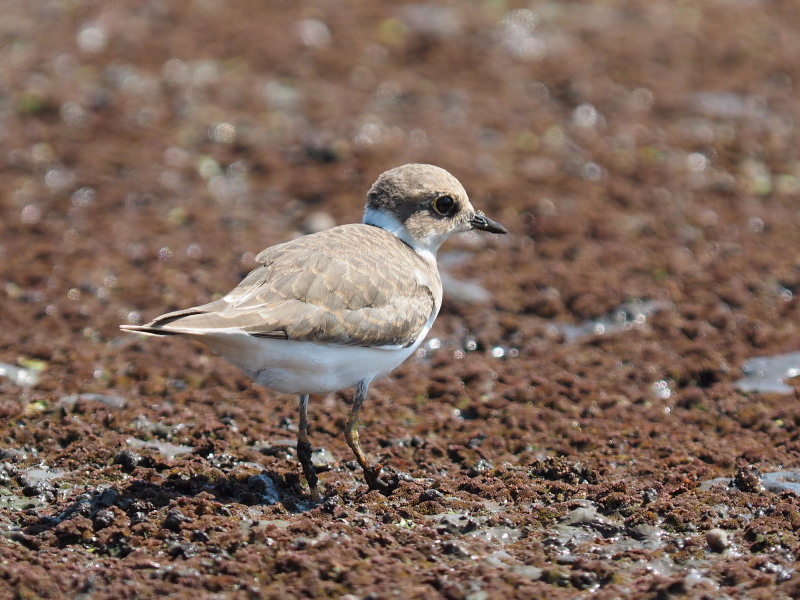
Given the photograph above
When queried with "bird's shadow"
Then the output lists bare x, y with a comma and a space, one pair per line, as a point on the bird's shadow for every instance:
141, 500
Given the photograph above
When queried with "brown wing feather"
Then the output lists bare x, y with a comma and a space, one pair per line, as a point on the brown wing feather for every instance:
374, 292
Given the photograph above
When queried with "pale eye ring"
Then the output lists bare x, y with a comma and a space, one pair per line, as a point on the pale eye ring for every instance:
444, 205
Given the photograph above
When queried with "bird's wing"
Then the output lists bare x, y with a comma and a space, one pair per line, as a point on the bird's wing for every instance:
350, 285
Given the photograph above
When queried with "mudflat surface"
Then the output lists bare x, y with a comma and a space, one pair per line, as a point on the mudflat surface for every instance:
576, 424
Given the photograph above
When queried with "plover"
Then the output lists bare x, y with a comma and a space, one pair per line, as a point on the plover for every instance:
338, 308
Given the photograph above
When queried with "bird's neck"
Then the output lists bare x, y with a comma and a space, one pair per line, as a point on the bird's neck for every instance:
388, 222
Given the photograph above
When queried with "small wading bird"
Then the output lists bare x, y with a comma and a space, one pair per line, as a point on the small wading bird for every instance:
338, 308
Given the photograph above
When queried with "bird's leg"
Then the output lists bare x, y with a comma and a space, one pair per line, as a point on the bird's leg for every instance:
371, 473
304, 449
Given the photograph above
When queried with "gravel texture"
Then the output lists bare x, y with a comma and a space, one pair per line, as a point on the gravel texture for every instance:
574, 426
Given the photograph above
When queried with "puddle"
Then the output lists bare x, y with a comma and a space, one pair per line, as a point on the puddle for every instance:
726, 105
36, 475
608, 537
17, 503
662, 389
38, 490
468, 344
774, 481
707, 485
501, 559
782, 481
630, 315
473, 527
19, 375
109, 400
166, 448
464, 291
767, 374
582, 525
322, 458
585, 525
693, 571
91, 502
157, 429
247, 525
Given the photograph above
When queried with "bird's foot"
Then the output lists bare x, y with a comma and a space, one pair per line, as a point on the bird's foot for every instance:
374, 481
304, 454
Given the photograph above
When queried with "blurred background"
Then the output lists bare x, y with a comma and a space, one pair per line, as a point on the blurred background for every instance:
175, 139
643, 155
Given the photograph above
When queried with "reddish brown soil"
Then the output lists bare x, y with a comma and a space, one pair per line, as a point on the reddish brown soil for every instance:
643, 150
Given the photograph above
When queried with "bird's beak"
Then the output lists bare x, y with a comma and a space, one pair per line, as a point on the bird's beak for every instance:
481, 221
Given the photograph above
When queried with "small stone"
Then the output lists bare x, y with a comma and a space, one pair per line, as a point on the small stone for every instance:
127, 459
454, 549
184, 549
330, 504
37, 488
322, 459
174, 519
431, 494
12, 454
649, 496
104, 518
747, 479
480, 467
107, 497
457, 524
198, 535
717, 540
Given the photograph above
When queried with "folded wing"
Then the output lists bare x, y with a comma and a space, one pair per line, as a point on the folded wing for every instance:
374, 292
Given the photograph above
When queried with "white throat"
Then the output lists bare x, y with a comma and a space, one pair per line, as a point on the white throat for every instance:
426, 248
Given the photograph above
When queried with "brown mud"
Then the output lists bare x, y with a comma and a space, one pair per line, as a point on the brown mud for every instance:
573, 427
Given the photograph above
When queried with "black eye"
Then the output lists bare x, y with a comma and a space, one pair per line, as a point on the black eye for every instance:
444, 205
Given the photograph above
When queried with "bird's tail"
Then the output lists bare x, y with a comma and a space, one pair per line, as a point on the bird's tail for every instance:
148, 330
167, 324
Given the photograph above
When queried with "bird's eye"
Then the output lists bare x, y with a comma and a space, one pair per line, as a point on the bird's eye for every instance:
444, 205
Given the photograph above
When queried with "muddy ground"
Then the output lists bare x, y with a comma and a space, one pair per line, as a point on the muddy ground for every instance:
575, 425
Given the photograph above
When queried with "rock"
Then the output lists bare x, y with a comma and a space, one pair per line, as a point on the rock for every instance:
174, 519
717, 540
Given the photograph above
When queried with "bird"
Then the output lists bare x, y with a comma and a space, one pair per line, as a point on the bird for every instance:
341, 307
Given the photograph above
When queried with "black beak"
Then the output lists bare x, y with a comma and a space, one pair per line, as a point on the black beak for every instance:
481, 221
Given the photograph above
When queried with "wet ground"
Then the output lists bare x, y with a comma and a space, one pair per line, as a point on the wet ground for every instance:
606, 406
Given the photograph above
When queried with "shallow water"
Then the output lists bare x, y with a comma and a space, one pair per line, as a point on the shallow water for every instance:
768, 374
630, 315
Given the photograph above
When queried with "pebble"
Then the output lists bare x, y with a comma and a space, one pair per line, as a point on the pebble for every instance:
717, 540
127, 459
430, 494
174, 519
103, 518
480, 467
322, 458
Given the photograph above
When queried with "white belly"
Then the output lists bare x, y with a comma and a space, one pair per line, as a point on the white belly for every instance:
293, 367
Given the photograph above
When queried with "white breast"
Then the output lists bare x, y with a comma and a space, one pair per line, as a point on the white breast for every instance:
294, 367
